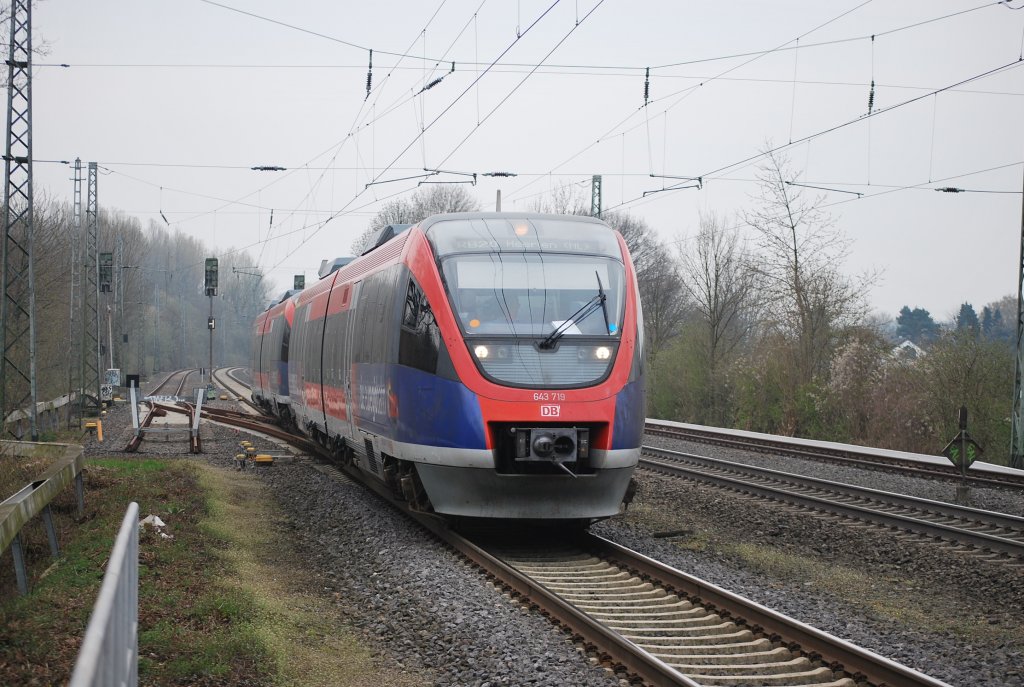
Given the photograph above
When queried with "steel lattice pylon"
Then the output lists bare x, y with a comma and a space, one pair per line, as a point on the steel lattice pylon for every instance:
17, 312
76, 363
91, 296
1017, 426
595, 196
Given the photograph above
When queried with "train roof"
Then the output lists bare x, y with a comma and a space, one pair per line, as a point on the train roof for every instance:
473, 232
328, 267
386, 234
584, 219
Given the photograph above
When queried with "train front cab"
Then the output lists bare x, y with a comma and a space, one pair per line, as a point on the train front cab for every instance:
529, 331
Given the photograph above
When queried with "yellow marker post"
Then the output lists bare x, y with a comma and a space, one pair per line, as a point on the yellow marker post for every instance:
99, 431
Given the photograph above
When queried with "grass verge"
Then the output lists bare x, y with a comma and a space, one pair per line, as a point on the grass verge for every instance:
221, 601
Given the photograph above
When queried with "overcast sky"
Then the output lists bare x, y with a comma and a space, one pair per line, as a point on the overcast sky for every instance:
178, 100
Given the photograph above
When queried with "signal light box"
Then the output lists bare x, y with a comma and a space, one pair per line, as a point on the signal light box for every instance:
106, 271
211, 277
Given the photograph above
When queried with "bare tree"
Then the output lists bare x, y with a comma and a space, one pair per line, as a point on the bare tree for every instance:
658, 279
568, 199
40, 47
719, 280
426, 201
806, 296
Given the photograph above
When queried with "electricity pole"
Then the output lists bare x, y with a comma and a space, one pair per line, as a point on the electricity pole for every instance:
91, 294
1017, 427
76, 284
595, 196
17, 312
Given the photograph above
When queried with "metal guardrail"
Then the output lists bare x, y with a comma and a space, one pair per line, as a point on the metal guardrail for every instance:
50, 416
110, 651
35, 499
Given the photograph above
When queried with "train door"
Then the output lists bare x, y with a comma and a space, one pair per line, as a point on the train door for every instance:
349, 334
296, 365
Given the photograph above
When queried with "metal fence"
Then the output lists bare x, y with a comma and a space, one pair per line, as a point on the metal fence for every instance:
110, 652
50, 416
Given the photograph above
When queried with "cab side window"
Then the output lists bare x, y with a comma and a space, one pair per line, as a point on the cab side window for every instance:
420, 339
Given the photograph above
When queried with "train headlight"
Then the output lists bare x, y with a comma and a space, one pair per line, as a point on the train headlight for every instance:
602, 353
481, 352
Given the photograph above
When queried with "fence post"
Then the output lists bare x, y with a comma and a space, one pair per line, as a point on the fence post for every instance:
51, 531
110, 650
80, 494
19, 564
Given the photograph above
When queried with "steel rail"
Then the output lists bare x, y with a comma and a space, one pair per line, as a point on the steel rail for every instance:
846, 456
977, 539
260, 424
185, 372
229, 372
839, 654
136, 440
952, 510
133, 444
618, 650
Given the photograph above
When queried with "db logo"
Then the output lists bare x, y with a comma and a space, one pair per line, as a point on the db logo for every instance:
550, 411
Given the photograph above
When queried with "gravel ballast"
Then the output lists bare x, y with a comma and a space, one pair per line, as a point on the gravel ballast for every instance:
419, 606
415, 603
946, 613
1000, 500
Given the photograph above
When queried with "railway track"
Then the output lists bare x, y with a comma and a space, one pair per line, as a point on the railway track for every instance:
185, 374
155, 410
929, 467
650, 622
645, 620
997, 536
227, 378
665, 627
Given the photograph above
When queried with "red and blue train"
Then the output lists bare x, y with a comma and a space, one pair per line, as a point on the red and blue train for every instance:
483, 365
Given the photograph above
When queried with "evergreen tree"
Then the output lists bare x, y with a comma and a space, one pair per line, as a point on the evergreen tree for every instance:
987, 324
916, 325
967, 319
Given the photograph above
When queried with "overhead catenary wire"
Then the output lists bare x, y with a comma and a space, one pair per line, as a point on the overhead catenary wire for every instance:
522, 81
407, 54
792, 103
688, 91
477, 87
339, 147
748, 160
427, 127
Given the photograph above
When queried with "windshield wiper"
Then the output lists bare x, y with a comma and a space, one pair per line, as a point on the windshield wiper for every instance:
586, 310
604, 306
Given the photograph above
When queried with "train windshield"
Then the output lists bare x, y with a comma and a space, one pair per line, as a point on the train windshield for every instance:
536, 294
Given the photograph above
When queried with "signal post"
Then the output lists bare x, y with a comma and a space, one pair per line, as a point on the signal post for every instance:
210, 283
